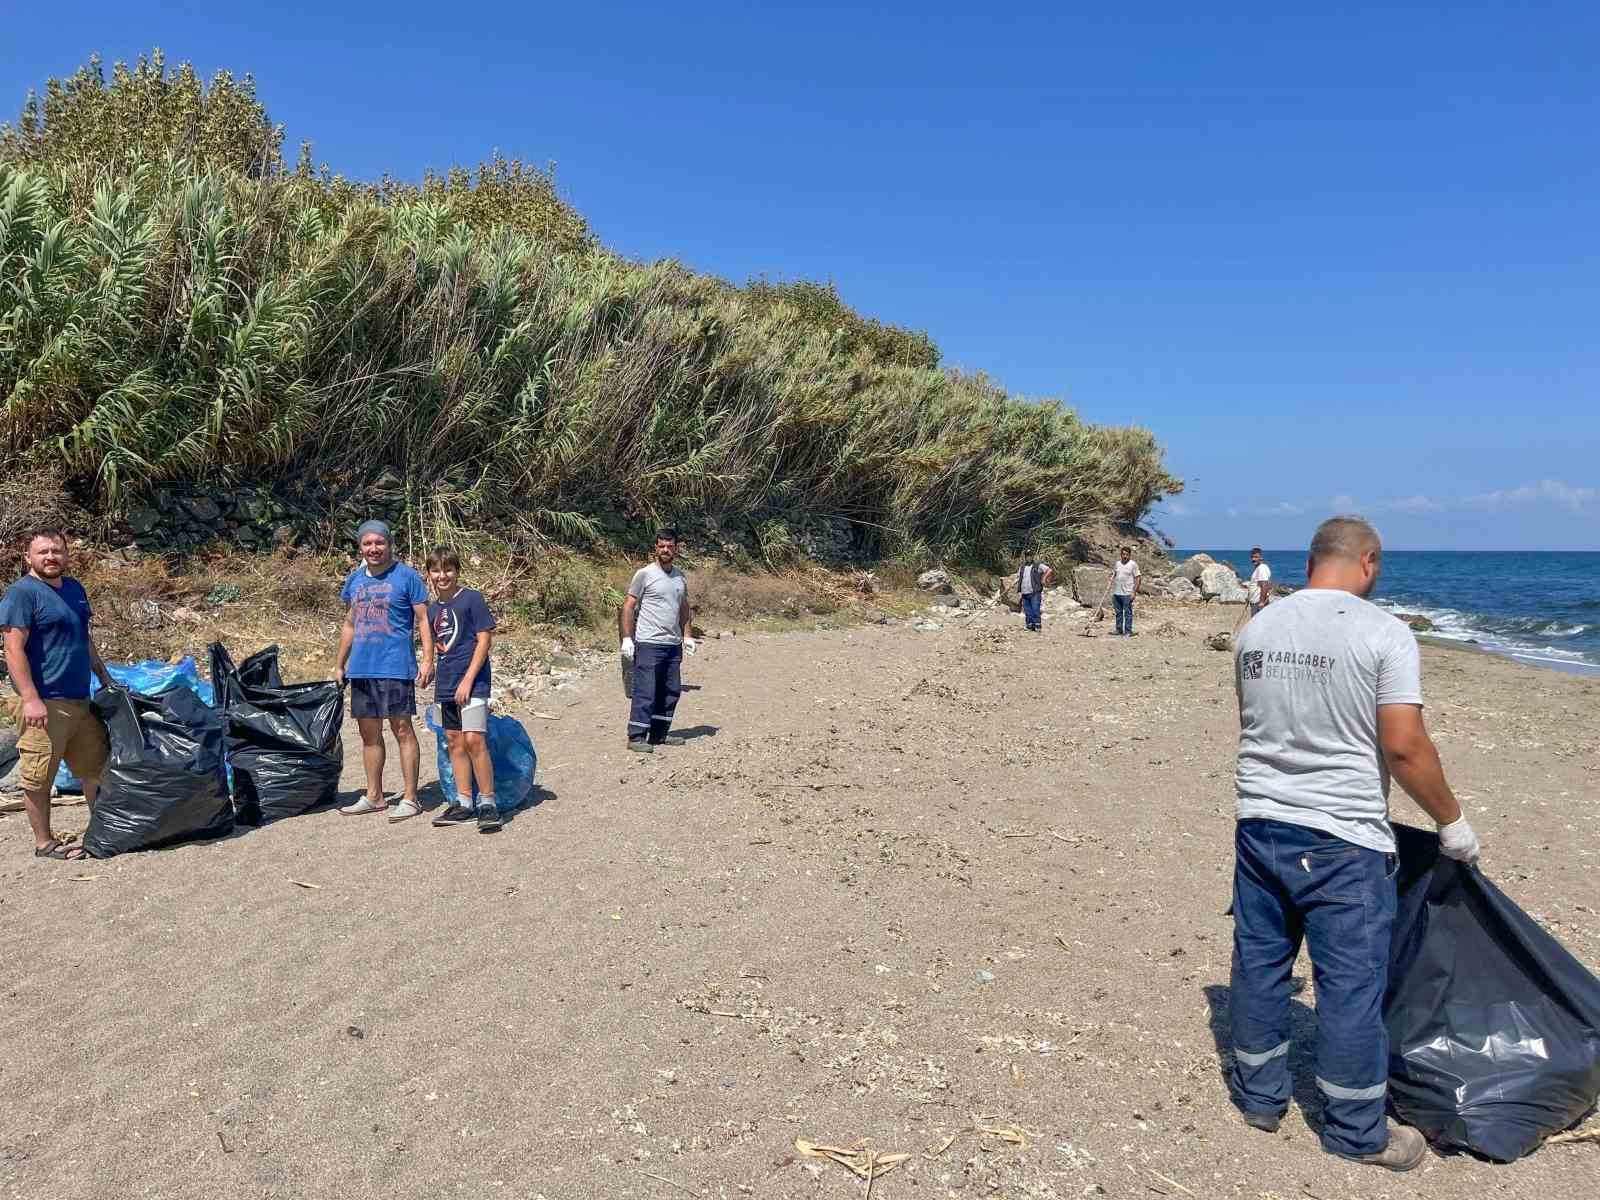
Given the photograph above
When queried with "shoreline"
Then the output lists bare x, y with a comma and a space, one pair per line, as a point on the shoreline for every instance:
1561, 666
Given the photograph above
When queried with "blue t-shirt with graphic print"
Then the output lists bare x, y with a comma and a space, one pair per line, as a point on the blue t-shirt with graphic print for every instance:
383, 607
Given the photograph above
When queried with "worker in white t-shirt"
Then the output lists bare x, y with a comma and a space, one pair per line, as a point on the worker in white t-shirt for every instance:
1260, 577
1125, 581
1330, 709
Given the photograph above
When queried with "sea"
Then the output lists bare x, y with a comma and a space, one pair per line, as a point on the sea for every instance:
1538, 607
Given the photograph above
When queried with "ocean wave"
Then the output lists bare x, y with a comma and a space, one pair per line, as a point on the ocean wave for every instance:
1516, 637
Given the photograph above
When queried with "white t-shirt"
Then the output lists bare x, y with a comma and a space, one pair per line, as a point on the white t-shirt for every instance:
1125, 574
1025, 577
1312, 670
1259, 576
661, 595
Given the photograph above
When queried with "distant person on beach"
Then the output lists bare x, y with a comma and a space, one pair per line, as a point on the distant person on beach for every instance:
1330, 706
1032, 579
656, 626
45, 615
385, 604
1125, 583
463, 628
1260, 591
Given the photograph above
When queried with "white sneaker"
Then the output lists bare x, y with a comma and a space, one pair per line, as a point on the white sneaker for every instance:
362, 806
404, 811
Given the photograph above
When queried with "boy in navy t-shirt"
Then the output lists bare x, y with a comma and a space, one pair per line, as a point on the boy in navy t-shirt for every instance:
385, 602
463, 628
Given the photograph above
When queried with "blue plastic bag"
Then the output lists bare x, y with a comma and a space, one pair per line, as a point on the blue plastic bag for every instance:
152, 677
512, 753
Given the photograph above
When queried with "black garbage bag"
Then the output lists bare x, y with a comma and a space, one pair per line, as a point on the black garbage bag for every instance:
1494, 1029
283, 739
164, 780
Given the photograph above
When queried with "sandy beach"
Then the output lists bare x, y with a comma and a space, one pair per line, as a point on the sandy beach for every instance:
898, 886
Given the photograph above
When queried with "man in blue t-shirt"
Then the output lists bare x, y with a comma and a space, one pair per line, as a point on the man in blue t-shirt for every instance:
385, 604
45, 615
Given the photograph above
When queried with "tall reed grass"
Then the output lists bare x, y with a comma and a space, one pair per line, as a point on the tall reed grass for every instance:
172, 316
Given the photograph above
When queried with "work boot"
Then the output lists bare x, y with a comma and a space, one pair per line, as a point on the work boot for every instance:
1266, 1122
1406, 1149
641, 747
672, 739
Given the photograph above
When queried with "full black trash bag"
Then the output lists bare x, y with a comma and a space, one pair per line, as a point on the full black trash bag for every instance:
1494, 1029
283, 739
164, 781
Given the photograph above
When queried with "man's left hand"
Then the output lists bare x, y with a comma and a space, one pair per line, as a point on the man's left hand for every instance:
463, 693
690, 645
425, 675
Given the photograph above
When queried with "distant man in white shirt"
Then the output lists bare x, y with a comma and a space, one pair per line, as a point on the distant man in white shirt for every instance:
1330, 706
1032, 579
1260, 578
1125, 583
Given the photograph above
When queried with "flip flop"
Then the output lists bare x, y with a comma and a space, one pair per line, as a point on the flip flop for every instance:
57, 849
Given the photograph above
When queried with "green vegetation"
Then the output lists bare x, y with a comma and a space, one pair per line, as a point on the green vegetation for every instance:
177, 304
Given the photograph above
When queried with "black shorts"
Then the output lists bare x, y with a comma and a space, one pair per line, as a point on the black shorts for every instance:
471, 717
380, 698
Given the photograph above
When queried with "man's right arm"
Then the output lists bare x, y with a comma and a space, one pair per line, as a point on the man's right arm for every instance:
1414, 762
630, 615
33, 709
347, 638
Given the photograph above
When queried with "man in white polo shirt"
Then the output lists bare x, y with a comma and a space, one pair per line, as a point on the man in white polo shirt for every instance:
1330, 706
1125, 580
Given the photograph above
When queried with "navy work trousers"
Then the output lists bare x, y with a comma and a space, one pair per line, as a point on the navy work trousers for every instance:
1032, 617
1294, 884
1124, 609
656, 688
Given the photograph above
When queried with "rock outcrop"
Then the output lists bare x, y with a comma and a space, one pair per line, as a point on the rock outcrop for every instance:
1218, 582
1089, 584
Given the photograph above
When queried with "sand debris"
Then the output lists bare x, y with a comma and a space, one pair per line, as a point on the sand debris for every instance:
857, 1158
300, 883
1589, 1133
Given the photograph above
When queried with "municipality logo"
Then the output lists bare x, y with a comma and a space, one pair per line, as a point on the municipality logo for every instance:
1252, 660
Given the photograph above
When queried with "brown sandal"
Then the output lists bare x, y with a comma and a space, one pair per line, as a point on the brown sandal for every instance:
57, 849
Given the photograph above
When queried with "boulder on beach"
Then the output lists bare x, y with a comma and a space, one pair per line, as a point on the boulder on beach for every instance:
1417, 621
1191, 567
1089, 584
1181, 588
1218, 582
934, 581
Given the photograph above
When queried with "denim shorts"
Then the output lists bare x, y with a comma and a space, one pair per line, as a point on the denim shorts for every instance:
380, 698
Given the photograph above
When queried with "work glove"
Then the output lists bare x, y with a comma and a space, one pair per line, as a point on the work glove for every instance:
1457, 841
627, 647
690, 645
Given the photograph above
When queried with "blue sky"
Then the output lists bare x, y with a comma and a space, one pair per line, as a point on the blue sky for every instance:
1341, 257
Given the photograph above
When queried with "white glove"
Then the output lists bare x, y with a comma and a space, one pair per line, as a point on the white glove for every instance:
1457, 841
690, 645
627, 647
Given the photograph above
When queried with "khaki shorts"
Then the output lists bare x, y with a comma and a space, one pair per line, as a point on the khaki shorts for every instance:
71, 732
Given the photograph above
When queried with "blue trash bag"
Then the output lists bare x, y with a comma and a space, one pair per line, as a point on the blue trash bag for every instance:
152, 677
510, 749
